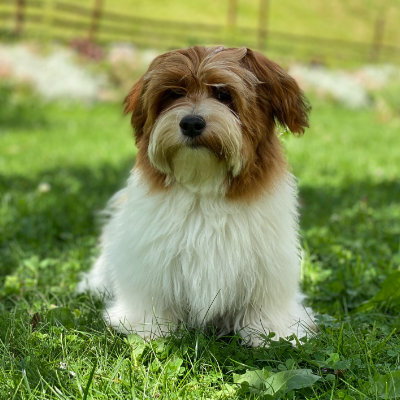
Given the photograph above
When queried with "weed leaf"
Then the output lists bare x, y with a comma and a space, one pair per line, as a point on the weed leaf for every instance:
390, 291
61, 316
387, 386
137, 343
281, 382
253, 380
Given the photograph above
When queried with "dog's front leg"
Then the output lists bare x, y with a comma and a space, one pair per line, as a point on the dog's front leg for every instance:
133, 317
294, 319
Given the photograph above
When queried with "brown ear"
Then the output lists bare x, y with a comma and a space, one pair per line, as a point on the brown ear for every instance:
132, 99
133, 103
286, 100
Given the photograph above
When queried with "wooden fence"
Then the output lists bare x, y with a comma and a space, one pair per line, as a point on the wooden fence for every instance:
64, 21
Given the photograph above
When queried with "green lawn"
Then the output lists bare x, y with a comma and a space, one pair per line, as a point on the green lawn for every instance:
60, 164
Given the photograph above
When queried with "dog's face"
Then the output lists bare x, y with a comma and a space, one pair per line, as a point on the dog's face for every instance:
205, 118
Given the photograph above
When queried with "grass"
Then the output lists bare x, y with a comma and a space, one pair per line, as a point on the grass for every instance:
59, 165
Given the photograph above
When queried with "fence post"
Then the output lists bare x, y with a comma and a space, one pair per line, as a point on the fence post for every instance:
94, 25
262, 24
232, 13
19, 17
376, 45
48, 13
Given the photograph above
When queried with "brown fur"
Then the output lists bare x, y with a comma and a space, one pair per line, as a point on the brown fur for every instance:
262, 92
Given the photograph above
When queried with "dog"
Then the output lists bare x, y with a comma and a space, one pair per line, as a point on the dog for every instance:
205, 232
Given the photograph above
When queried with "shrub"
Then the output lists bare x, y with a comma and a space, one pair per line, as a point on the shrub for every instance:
19, 106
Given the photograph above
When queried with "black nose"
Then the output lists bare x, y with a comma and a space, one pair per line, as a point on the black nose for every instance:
192, 125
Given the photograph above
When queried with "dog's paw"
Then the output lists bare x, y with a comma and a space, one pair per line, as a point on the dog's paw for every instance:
144, 323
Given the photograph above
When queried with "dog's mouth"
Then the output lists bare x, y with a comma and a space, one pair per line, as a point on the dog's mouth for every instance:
209, 142
194, 143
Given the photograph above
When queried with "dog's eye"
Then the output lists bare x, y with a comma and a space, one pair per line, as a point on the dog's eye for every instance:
222, 94
168, 97
175, 94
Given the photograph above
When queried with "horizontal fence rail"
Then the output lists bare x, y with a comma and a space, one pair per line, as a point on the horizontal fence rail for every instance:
65, 21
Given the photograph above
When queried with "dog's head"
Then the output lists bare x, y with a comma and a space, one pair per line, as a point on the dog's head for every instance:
206, 118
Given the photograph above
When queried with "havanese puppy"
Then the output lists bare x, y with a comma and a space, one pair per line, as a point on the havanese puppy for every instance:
206, 230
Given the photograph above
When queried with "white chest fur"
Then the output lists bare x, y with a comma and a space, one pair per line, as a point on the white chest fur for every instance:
198, 258
181, 256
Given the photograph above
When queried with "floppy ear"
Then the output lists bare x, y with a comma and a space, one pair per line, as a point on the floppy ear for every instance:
280, 91
133, 103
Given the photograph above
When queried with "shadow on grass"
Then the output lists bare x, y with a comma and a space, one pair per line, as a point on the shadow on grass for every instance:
54, 212
320, 205
351, 234
351, 231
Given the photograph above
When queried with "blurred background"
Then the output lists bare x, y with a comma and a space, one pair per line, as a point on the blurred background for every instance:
336, 32
117, 39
